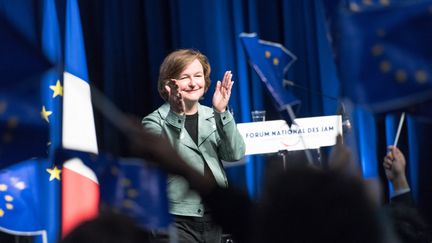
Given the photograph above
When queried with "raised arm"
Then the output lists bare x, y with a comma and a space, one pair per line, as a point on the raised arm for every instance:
394, 165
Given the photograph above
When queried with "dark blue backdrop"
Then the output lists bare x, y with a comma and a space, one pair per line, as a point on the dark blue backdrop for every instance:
378, 55
127, 40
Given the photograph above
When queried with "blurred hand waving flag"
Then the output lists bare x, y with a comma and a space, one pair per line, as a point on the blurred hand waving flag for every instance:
271, 61
384, 53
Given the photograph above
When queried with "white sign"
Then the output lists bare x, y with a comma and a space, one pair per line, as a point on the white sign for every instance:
304, 133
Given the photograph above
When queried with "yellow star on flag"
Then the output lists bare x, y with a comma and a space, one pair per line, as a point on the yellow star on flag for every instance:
58, 89
54, 173
45, 113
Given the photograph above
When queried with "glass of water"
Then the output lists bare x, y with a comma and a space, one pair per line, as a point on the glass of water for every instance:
258, 115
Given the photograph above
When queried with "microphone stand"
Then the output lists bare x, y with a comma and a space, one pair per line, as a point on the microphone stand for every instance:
282, 153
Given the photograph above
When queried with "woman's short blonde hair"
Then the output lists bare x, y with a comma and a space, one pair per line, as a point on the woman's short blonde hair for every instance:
174, 64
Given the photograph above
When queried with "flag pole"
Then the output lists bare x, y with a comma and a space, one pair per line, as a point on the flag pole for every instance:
401, 120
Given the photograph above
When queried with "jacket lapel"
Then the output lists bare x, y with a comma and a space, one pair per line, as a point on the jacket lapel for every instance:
206, 127
185, 138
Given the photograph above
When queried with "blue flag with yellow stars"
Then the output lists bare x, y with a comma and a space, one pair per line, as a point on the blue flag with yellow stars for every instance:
21, 56
23, 134
30, 108
271, 61
137, 189
384, 54
370, 5
26, 198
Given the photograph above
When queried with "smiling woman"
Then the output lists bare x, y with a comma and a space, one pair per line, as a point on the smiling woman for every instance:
174, 67
203, 137
190, 86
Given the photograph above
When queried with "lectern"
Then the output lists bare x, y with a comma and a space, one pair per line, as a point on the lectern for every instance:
304, 134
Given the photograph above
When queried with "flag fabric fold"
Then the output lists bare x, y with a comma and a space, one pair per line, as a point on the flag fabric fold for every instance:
383, 55
372, 5
22, 61
21, 56
20, 118
271, 61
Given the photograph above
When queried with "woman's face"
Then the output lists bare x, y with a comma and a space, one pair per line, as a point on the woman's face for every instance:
191, 82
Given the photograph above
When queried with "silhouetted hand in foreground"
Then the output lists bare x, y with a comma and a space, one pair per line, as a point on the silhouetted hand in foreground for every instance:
340, 159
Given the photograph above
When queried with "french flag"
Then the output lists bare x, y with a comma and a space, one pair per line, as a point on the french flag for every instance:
80, 187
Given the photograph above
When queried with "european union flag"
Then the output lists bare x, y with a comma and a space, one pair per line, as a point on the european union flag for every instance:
384, 55
32, 108
423, 110
137, 189
271, 61
60, 95
368, 5
25, 198
23, 134
21, 57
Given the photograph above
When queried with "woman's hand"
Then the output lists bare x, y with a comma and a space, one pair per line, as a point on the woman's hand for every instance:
222, 92
175, 98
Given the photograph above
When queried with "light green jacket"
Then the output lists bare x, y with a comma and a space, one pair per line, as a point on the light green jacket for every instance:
218, 139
